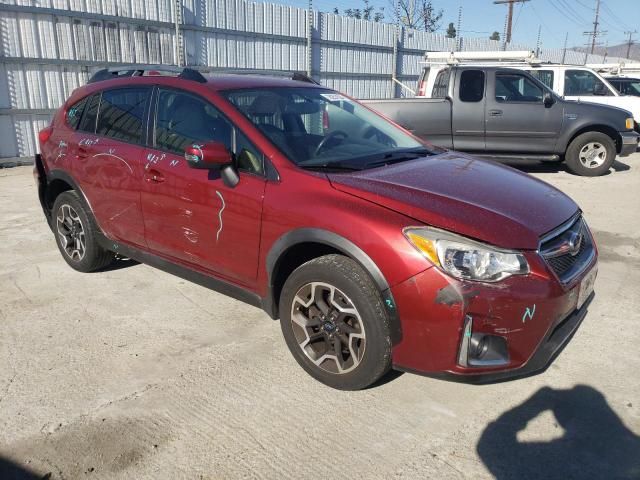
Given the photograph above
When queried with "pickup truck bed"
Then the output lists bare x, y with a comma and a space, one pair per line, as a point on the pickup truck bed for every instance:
427, 118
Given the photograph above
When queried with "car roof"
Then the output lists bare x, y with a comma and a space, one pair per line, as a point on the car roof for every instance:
631, 79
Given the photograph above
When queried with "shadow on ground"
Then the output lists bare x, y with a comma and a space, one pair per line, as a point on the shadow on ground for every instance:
555, 167
595, 443
11, 471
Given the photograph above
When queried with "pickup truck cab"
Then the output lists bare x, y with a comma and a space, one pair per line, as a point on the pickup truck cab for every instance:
506, 113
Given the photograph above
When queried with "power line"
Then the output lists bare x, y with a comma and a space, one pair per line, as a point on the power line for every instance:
565, 15
614, 17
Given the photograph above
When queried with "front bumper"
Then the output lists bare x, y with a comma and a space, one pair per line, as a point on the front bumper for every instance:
629, 143
532, 317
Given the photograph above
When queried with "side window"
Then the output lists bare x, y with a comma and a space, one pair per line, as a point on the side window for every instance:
513, 87
183, 119
472, 86
74, 113
545, 76
441, 84
121, 113
583, 83
90, 114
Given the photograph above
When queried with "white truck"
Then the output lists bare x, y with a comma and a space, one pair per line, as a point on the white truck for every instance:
573, 82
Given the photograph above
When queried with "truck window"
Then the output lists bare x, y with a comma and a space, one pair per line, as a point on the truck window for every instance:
545, 76
513, 87
422, 83
472, 85
583, 83
441, 84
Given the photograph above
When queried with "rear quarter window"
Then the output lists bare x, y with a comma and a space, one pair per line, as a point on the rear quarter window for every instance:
90, 114
74, 113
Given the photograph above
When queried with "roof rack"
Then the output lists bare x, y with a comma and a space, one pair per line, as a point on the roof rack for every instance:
146, 70
187, 73
514, 57
619, 68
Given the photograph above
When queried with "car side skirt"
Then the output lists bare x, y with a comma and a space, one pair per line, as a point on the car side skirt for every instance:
207, 281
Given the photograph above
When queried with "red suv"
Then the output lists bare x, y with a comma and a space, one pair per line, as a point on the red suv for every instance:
375, 249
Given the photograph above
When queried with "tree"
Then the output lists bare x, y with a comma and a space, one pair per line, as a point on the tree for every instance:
367, 12
418, 14
495, 36
451, 31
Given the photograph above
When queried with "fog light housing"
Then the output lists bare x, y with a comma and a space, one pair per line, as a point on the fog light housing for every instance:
479, 349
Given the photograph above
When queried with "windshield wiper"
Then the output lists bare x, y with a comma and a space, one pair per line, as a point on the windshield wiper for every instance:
400, 156
330, 166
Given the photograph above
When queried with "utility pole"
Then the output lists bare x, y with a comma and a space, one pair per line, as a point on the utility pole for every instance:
179, 43
595, 33
509, 14
459, 31
538, 41
564, 49
595, 27
630, 42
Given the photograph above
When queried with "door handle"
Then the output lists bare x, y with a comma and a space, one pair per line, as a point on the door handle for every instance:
83, 152
154, 176
495, 113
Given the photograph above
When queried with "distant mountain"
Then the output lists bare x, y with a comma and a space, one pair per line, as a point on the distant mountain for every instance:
616, 51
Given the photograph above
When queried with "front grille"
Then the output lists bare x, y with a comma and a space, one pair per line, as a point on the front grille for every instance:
568, 250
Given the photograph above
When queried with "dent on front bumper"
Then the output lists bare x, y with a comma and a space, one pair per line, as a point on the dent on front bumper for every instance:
535, 315
629, 143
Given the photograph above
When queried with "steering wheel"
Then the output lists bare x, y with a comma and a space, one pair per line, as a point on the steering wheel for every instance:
336, 134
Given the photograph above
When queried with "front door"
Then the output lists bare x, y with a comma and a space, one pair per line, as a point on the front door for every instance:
517, 119
190, 215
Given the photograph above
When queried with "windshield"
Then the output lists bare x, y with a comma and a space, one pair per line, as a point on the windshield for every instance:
321, 128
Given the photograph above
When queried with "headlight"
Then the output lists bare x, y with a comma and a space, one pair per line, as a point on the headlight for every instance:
466, 259
629, 123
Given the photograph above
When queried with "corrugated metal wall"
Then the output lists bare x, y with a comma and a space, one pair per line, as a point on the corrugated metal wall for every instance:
48, 48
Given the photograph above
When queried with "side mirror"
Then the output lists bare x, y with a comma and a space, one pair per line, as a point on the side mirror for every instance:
599, 89
548, 99
207, 155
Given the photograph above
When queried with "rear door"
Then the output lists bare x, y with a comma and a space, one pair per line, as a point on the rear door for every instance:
468, 115
108, 146
517, 119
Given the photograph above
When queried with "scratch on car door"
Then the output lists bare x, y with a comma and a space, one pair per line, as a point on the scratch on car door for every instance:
220, 215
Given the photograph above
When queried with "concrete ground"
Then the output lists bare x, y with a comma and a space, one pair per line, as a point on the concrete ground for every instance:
134, 373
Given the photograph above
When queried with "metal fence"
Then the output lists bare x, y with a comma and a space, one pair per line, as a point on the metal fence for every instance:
48, 48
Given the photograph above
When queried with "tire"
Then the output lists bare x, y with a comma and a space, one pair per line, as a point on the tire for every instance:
75, 232
315, 294
590, 154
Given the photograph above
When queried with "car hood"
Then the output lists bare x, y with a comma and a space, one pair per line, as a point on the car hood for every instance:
473, 197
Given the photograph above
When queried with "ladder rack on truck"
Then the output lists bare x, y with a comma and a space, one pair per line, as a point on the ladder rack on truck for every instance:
498, 57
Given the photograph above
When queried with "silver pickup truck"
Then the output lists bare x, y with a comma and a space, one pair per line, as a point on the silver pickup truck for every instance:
505, 113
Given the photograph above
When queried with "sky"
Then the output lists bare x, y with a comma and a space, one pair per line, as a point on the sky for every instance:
556, 18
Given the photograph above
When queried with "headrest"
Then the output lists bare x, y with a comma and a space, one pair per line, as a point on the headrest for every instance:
265, 105
303, 108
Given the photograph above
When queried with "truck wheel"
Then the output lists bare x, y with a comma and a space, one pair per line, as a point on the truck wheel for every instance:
75, 234
335, 324
590, 154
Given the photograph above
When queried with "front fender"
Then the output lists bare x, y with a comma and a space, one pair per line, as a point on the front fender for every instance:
345, 246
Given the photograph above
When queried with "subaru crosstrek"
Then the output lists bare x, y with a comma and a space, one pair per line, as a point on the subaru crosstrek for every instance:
373, 248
